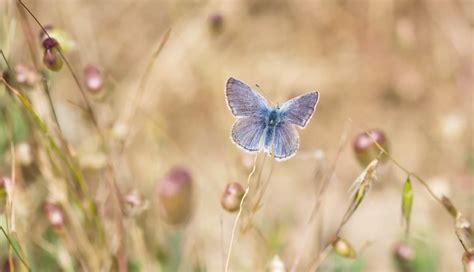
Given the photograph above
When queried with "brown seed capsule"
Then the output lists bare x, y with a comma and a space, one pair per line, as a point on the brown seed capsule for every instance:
232, 196
216, 22
175, 192
54, 214
468, 260
52, 58
93, 79
366, 150
343, 248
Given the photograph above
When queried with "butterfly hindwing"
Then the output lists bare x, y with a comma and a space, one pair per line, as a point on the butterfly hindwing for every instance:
247, 133
243, 101
299, 110
285, 141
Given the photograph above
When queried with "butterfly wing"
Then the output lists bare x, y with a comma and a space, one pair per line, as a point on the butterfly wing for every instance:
300, 109
243, 101
247, 133
285, 141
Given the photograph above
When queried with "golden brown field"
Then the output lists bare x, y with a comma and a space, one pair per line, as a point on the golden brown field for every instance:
115, 151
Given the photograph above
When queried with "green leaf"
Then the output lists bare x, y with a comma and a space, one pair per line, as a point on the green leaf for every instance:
407, 203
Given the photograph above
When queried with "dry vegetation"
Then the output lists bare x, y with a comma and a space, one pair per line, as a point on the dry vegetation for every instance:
118, 160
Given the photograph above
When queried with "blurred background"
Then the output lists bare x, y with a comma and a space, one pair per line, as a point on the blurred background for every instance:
158, 158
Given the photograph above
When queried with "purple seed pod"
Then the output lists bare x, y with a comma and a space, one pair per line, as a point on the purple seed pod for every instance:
366, 150
175, 192
93, 79
216, 23
404, 256
232, 196
52, 59
50, 43
55, 215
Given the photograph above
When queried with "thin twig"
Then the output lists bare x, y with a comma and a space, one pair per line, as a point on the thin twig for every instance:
239, 213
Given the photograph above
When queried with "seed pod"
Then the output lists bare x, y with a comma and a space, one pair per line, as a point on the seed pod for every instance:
232, 196
93, 79
343, 248
468, 260
216, 23
52, 58
55, 215
366, 150
407, 203
175, 193
404, 256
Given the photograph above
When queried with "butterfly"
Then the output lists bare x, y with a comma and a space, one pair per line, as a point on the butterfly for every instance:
260, 126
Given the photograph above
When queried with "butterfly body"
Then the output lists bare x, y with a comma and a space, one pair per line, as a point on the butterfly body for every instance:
259, 126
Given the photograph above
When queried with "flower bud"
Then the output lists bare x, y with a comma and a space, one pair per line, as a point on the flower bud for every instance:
175, 195
232, 196
468, 261
93, 79
366, 150
343, 248
55, 215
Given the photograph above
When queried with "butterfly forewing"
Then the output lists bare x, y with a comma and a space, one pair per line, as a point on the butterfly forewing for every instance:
243, 101
285, 141
300, 109
247, 133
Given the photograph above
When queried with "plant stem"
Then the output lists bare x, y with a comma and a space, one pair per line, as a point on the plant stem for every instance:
240, 213
14, 249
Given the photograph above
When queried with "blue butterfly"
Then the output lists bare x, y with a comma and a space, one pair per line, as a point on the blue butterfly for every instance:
259, 126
